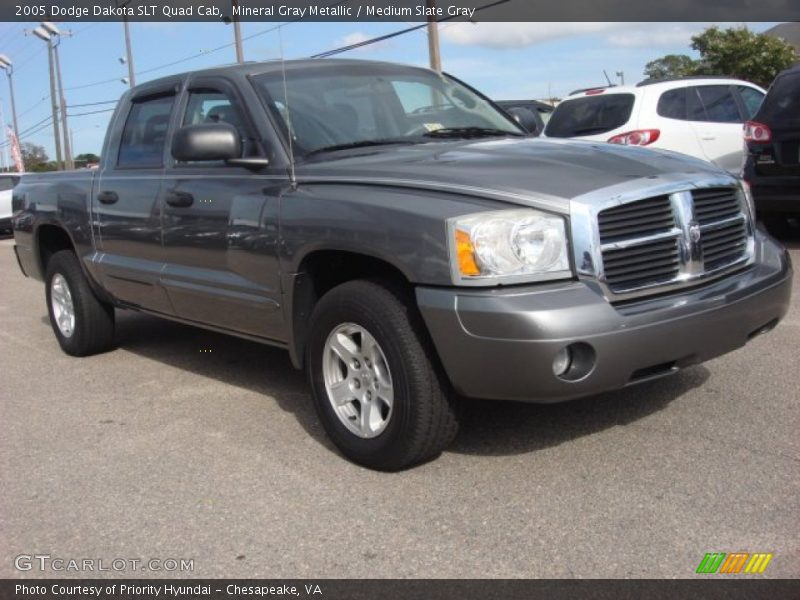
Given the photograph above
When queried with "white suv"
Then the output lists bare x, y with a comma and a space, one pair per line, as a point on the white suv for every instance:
698, 116
7, 183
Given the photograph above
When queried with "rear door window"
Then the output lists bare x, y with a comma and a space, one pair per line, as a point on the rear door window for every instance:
695, 111
590, 115
145, 133
782, 104
719, 103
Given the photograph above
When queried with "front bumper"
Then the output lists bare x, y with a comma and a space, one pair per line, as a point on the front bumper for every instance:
501, 343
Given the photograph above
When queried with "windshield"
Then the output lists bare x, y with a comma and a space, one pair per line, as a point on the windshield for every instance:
590, 115
332, 107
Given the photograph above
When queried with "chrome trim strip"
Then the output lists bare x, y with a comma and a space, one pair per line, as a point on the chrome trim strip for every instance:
740, 218
642, 241
690, 251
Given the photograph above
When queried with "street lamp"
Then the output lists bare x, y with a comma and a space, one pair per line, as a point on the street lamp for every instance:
42, 34
128, 51
8, 67
57, 35
49, 33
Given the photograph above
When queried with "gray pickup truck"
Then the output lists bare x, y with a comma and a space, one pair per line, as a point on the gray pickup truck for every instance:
403, 239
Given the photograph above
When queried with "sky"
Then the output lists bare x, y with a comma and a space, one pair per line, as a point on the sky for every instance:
503, 60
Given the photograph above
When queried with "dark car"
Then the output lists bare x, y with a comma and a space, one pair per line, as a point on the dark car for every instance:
531, 114
772, 162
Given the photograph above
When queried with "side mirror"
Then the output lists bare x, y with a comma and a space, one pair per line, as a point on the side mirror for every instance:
207, 141
527, 119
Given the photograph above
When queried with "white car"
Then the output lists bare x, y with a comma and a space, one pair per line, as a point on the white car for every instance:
698, 116
7, 183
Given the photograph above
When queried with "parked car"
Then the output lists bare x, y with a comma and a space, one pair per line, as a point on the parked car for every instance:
7, 183
404, 254
698, 116
531, 114
772, 162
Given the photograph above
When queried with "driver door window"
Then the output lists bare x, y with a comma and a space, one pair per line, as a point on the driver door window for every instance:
211, 106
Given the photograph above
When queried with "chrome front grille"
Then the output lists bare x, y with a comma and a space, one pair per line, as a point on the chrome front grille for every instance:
647, 217
715, 204
645, 264
724, 244
665, 241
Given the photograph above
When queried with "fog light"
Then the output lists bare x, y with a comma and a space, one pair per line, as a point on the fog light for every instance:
562, 362
574, 362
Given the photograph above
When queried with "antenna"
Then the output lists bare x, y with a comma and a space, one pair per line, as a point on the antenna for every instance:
608, 79
289, 127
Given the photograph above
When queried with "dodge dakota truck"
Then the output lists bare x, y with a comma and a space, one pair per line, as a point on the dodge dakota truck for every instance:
403, 239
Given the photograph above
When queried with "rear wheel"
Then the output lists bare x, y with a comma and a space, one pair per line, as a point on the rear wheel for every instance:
82, 324
376, 388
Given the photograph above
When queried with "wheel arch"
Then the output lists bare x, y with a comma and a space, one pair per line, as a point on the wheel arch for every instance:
49, 238
322, 269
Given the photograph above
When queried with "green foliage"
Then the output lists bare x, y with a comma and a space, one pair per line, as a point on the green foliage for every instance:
43, 167
734, 52
740, 53
34, 157
671, 65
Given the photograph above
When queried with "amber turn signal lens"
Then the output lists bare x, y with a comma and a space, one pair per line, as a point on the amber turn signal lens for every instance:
466, 254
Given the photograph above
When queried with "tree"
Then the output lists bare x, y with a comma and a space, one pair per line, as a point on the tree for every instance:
735, 52
86, 158
33, 157
740, 53
671, 65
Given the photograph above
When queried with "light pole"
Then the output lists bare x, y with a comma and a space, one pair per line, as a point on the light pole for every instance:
57, 35
8, 67
128, 50
43, 35
237, 33
433, 38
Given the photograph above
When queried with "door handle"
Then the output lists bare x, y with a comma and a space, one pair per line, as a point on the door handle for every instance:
179, 199
107, 197
707, 136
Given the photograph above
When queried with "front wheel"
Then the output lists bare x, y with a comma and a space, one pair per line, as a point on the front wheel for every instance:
83, 324
372, 372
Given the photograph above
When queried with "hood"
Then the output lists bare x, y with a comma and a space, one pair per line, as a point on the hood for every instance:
531, 171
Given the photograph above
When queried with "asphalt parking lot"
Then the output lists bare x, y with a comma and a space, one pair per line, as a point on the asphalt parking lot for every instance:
187, 444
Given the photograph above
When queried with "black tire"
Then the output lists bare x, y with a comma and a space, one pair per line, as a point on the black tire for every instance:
423, 419
93, 331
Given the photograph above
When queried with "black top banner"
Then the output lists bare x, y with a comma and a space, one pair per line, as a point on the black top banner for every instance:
400, 10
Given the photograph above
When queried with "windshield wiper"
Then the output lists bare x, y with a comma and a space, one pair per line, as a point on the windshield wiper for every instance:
359, 144
467, 132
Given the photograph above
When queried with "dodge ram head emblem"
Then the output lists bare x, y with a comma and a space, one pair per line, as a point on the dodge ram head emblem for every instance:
694, 233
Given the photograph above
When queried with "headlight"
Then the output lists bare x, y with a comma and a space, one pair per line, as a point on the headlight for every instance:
508, 246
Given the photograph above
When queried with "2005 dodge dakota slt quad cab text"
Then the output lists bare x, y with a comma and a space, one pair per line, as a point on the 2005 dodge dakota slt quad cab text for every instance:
403, 239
